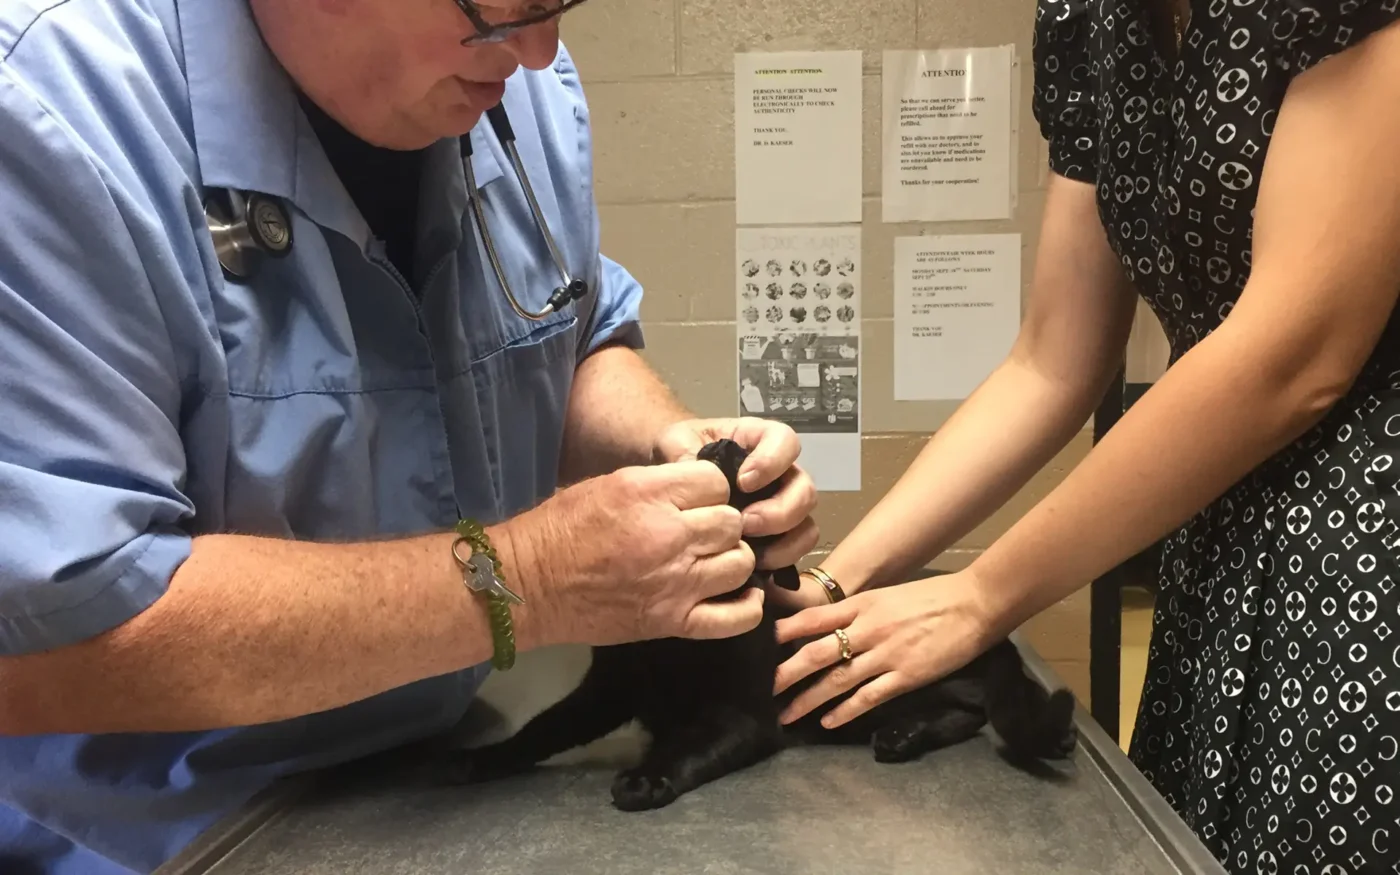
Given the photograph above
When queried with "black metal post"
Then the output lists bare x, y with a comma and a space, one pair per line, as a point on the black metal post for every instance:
1106, 600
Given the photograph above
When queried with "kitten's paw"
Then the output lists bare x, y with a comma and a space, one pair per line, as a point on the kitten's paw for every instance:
473, 767
637, 791
1062, 717
459, 767
1066, 746
895, 744
1052, 736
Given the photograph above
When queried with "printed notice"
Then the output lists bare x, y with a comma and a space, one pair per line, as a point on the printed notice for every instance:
798, 295
797, 137
957, 308
947, 135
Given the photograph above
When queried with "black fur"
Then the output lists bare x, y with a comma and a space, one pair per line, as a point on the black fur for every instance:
729, 457
710, 710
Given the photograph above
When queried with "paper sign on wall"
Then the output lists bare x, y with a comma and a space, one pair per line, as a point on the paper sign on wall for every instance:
797, 137
957, 310
946, 142
798, 298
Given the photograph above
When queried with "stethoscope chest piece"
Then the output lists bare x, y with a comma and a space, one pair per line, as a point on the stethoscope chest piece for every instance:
246, 229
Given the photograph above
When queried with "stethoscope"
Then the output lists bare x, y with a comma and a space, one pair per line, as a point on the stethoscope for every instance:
254, 226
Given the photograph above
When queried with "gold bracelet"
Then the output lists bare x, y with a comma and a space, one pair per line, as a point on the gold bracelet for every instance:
482, 574
833, 590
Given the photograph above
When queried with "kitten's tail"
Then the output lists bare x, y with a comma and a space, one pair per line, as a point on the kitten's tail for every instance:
1033, 722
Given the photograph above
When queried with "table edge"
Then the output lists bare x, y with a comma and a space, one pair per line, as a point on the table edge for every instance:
1159, 820
217, 843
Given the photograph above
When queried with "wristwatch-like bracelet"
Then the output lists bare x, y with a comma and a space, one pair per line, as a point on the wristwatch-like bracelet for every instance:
481, 573
833, 590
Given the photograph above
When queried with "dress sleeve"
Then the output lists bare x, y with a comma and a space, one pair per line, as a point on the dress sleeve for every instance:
1307, 32
1063, 101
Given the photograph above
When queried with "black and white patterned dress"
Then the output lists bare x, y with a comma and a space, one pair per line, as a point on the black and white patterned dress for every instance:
1271, 709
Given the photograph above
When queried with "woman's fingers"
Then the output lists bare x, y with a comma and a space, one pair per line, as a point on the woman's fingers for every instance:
813, 656
842, 677
900, 638
879, 691
819, 620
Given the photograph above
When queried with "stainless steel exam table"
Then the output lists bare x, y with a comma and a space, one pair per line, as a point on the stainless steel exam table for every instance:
815, 810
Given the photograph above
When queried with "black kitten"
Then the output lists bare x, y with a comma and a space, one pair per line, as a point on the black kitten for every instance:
710, 710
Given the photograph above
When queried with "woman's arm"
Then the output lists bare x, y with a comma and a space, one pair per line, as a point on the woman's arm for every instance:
1070, 345
1326, 274
1325, 277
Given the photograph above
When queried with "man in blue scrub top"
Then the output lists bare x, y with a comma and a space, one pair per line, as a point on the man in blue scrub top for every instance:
227, 506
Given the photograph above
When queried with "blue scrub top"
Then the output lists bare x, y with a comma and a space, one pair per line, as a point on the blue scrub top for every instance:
145, 400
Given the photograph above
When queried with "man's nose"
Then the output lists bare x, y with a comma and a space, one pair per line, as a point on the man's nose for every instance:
536, 46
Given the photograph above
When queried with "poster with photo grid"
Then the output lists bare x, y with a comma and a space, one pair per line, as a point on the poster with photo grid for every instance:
798, 306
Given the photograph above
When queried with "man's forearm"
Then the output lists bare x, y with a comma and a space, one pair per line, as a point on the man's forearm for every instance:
253, 630
617, 407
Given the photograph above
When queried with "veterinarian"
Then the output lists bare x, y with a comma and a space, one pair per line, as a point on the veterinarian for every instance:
279, 453
1235, 165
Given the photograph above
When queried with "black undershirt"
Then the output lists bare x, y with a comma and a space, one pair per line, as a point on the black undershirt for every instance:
383, 183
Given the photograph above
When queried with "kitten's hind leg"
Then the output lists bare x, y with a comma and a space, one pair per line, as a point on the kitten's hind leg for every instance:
914, 735
686, 755
1034, 722
595, 708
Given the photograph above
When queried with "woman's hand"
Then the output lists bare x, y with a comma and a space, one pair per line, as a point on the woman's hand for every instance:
901, 638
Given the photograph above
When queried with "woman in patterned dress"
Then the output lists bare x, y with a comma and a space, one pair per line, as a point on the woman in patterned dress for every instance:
1241, 159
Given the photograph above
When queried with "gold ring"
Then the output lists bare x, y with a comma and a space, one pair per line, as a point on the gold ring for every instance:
845, 644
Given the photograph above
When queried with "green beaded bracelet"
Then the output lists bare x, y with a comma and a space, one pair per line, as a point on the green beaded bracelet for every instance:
482, 574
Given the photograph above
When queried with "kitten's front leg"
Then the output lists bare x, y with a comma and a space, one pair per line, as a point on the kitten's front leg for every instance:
911, 736
595, 708
687, 755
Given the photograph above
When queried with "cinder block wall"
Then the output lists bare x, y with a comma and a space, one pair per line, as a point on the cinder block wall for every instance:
659, 79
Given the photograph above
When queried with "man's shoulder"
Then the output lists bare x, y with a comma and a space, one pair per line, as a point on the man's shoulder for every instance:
108, 73
31, 30
96, 156
557, 86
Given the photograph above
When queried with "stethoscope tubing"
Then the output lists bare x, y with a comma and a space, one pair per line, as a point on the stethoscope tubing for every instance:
570, 289
260, 225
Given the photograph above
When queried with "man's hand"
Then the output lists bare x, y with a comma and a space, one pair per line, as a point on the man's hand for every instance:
773, 450
635, 555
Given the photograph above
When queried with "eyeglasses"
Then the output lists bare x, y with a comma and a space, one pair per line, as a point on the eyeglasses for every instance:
496, 31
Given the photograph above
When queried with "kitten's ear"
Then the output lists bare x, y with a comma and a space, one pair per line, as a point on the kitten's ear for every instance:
787, 578
729, 457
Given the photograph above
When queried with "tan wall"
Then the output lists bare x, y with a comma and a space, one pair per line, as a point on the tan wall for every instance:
658, 75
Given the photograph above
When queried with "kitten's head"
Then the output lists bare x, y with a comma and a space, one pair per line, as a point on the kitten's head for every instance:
730, 456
